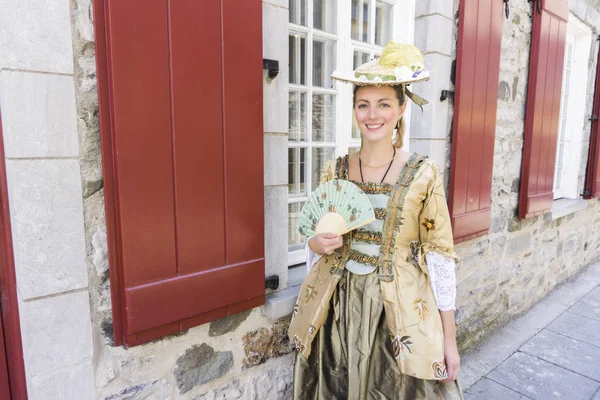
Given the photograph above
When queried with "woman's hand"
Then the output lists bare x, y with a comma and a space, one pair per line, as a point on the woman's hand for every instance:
325, 243
452, 359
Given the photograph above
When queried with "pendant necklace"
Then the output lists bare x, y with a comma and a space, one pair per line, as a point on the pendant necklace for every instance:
386, 171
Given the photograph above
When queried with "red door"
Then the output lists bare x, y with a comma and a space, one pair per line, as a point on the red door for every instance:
4, 383
12, 368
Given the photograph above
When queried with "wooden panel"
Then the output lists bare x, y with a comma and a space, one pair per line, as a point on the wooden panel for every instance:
142, 144
175, 299
592, 180
478, 60
242, 88
198, 133
181, 125
543, 107
11, 360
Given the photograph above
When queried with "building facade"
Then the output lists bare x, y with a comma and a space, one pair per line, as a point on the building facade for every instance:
88, 208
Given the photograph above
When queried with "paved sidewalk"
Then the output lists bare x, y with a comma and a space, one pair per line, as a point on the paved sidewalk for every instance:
552, 352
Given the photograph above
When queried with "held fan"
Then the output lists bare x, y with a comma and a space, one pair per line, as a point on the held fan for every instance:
336, 206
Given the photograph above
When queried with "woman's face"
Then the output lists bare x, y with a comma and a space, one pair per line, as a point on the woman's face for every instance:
377, 110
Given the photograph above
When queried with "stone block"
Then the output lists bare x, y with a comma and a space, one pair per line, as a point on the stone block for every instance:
541, 380
587, 308
38, 115
65, 384
266, 343
588, 330
594, 295
47, 223
433, 122
36, 37
56, 332
434, 149
565, 352
441, 7
201, 364
519, 244
157, 390
487, 389
275, 47
276, 160
227, 324
441, 42
276, 233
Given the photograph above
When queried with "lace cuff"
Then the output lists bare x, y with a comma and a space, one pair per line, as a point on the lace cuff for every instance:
442, 272
311, 256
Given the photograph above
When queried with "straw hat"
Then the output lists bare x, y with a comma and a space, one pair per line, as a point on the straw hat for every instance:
399, 64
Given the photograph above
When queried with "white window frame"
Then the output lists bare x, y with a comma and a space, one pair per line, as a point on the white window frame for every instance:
580, 36
403, 31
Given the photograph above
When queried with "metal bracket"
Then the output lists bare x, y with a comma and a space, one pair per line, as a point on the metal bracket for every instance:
539, 6
593, 118
272, 282
506, 9
272, 66
446, 94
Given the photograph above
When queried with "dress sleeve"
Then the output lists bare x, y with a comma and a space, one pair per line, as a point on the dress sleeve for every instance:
311, 256
443, 280
437, 243
435, 230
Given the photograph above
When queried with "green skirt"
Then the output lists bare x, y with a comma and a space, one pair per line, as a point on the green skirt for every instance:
351, 356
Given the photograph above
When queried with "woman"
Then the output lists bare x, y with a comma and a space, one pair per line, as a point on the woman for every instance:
365, 325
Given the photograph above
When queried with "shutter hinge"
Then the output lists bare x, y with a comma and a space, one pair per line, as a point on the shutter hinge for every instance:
272, 66
586, 193
506, 9
593, 118
446, 94
272, 282
538, 3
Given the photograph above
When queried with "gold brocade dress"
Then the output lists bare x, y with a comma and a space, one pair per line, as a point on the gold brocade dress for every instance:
351, 355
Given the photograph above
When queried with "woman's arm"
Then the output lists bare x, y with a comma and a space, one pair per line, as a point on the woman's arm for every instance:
450, 347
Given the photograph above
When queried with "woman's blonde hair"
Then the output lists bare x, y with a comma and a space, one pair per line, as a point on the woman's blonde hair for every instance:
399, 89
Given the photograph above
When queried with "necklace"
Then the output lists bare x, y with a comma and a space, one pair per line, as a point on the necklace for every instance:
377, 166
386, 171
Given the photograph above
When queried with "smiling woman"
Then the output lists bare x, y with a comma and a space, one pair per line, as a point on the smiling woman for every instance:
363, 322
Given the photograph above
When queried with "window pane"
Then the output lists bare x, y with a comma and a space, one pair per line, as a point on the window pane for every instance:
561, 155
559, 178
360, 20
383, 23
298, 130
323, 118
296, 171
294, 239
298, 12
319, 157
297, 48
323, 62
324, 15
360, 58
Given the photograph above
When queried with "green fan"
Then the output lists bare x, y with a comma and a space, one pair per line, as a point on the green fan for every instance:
336, 206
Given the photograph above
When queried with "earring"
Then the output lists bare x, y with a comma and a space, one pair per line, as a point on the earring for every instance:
398, 124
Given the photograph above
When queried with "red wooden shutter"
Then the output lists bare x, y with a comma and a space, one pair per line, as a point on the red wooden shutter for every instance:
543, 106
180, 85
474, 125
592, 181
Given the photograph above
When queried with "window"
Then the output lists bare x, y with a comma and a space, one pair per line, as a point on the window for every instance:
324, 36
572, 109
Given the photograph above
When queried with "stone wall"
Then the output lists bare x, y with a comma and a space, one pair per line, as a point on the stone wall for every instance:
504, 273
243, 356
